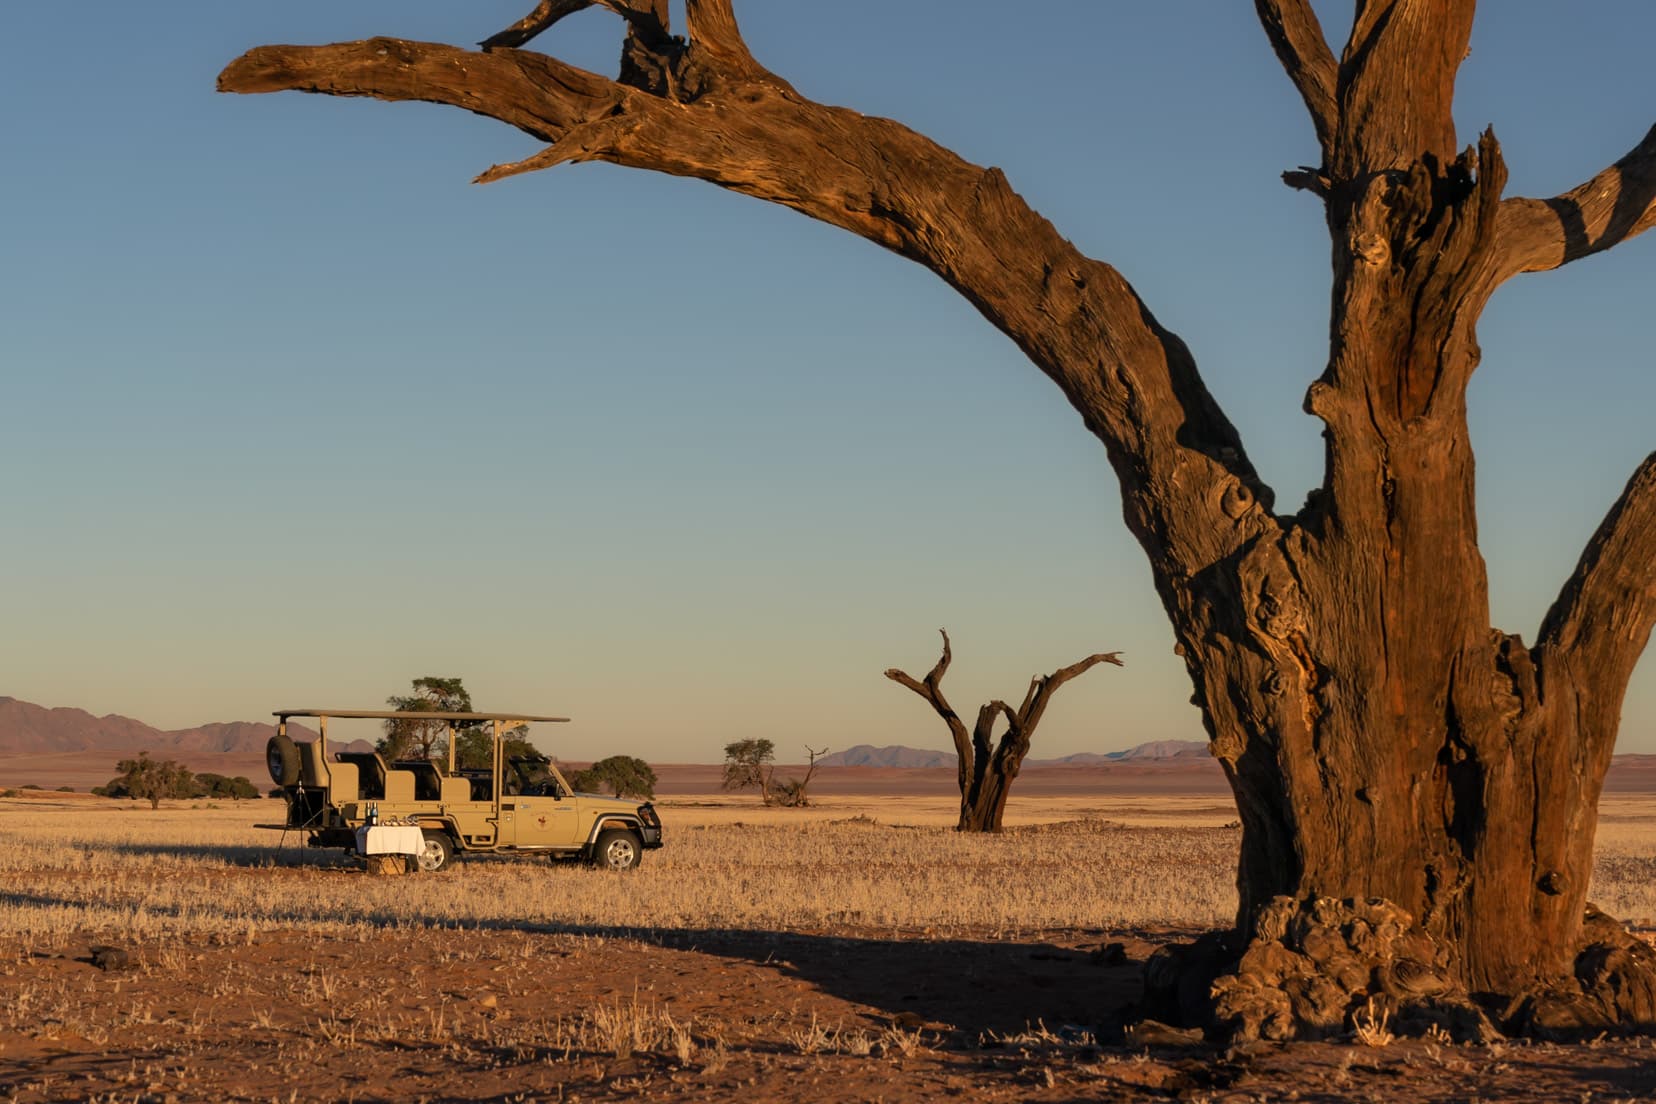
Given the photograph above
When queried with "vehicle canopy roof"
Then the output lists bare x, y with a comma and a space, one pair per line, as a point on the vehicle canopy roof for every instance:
410, 714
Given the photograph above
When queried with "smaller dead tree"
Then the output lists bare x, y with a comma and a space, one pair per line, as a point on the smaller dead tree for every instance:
792, 793
986, 768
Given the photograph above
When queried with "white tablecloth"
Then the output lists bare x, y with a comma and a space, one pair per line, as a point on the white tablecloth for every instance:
388, 840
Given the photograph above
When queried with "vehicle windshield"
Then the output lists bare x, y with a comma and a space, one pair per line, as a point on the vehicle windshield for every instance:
532, 775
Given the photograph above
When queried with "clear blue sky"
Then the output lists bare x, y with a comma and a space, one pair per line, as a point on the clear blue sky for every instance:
295, 413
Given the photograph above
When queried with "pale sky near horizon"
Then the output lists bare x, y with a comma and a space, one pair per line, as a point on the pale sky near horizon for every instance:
296, 413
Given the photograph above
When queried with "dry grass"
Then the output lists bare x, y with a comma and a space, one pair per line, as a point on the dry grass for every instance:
135, 871
89, 867
1624, 864
1370, 1025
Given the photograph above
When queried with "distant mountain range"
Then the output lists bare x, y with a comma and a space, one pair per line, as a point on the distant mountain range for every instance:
896, 755
29, 729
26, 728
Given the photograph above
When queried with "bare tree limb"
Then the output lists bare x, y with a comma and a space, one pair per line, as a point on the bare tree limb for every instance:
648, 16
712, 27
1300, 45
932, 690
1396, 85
1041, 689
707, 110
1619, 203
577, 144
1603, 616
539, 95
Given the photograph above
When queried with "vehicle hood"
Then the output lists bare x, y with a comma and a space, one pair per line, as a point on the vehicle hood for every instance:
609, 802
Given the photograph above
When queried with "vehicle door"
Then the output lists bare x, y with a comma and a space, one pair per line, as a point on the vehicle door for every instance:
542, 811
545, 819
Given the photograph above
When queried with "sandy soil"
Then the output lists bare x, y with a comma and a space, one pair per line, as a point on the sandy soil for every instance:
491, 1015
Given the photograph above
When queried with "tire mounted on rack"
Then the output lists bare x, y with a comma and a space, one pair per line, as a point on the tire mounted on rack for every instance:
282, 760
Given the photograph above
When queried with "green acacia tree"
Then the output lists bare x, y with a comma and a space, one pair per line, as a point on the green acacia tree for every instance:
471, 745
622, 775
151, 780
412, 739
746, 762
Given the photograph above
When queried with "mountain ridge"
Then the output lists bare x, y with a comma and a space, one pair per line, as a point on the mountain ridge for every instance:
903, 757
27, 728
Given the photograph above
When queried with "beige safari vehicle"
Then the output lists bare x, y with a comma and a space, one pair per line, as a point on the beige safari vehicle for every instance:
519, 805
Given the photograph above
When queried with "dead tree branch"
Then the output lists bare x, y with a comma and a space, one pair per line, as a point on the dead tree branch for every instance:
932, 690
1603, 616
704, 108
1300, 45
647, 17
795, 792
1619, 203
1396, 85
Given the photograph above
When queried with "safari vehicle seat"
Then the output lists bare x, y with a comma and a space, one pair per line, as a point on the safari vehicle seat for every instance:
372, 769
342, 787
456, 790
428, 778
313, 772
399, 786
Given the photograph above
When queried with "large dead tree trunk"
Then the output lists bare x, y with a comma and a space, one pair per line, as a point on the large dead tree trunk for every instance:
1382, 740
986, 767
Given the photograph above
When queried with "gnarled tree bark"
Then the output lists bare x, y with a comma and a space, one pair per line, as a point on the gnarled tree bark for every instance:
1383, 741
986, 767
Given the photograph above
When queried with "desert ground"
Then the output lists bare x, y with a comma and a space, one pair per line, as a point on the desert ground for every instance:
858, 950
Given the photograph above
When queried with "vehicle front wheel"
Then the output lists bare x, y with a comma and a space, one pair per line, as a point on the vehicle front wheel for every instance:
617, 850
437, 854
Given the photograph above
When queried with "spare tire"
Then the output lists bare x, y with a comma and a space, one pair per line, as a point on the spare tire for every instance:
282, 760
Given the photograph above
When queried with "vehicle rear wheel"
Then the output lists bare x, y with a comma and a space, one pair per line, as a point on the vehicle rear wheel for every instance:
439, 851
282, 759
617, 850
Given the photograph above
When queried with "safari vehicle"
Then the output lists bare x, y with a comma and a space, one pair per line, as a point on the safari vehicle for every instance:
518, 805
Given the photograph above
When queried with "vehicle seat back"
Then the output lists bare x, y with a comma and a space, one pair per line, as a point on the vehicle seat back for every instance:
371, 770
313, 772
399, 785
428, 781
456, 789
343, 787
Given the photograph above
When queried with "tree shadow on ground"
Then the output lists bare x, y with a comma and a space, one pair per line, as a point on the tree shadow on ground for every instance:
247, 855
1616, 1075
979, 987
976, 987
